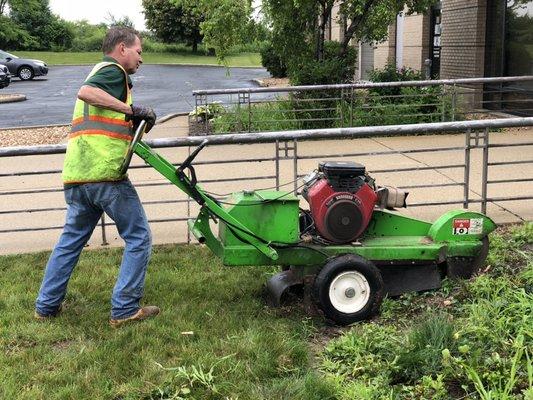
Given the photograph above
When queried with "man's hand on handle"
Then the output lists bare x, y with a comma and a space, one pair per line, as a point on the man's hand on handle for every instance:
140, 113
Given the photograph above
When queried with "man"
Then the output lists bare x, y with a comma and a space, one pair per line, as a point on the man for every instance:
102, 127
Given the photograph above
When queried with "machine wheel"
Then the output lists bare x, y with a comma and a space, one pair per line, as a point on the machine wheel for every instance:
465, 267
348, 289
25, 73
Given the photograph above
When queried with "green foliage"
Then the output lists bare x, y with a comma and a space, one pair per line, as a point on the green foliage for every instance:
477, 346
341, 108
87, 37
174, 21
333, 68
390, 73
12, 36
47, 30
225, 24
298, 28
208, 112
266, 116
272, 61
425, 343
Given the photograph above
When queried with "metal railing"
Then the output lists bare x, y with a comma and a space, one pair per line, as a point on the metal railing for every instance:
359, 104
447, 180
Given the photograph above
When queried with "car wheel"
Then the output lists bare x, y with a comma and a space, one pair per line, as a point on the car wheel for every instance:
25, 73
348, 288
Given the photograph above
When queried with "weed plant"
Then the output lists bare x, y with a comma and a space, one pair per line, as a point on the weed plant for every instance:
470, 340
258, 117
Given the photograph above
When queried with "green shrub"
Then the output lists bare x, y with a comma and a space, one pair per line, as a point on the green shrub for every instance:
479, 348
268, 116
272, 61
332, 69
390, 73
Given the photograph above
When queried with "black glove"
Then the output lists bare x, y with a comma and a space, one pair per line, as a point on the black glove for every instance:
143, 113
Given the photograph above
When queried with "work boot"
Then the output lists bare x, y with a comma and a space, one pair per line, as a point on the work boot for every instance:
143, 313
47, 317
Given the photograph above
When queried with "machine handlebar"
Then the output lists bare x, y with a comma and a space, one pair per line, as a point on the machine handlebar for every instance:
139, 132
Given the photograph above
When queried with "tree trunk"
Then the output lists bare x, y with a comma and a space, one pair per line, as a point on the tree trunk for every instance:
324, 19
354, 24
194, 46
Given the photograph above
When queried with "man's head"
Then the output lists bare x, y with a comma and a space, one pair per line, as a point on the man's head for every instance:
124, 45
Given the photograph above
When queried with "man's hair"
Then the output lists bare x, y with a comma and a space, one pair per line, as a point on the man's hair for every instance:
116, 35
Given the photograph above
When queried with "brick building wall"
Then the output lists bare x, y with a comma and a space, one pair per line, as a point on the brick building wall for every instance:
385, 52
463, 38
415, 40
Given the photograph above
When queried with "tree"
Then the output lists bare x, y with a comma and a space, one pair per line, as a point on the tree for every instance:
174, 21
46, 29
301, 24
125, 21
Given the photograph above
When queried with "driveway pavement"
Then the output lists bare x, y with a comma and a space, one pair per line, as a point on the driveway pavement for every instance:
167, 88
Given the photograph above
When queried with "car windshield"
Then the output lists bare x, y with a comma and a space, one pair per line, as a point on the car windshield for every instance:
5, 54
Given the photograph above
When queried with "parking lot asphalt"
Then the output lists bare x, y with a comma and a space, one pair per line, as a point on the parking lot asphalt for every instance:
167, 88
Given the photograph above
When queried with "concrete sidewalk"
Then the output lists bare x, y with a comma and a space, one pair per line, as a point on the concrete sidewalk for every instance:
173, 232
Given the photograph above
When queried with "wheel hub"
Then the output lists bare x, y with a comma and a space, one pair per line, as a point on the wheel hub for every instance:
25, 73
349, 292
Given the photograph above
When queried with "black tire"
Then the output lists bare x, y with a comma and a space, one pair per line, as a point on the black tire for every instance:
357, 275
25, 73
465, 267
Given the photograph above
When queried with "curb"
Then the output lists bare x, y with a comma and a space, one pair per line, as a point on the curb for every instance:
168, 117
12, 98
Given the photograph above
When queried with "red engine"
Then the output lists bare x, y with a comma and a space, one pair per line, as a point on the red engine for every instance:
341, 200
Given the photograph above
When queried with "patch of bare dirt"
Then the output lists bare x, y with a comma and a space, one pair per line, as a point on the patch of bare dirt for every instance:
33, 136
277, 82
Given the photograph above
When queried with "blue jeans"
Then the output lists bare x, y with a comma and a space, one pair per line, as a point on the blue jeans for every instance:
85, 205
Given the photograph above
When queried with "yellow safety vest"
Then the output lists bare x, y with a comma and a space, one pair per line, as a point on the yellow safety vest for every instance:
98, 140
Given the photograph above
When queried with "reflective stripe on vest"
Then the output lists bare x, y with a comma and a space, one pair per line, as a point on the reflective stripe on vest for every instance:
98, 140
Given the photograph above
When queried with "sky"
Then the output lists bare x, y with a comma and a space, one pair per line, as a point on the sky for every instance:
96, 11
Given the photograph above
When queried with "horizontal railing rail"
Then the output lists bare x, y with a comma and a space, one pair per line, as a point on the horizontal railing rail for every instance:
292, 154
358, 104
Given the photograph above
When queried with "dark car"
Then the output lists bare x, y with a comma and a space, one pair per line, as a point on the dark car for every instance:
24, 68
5, 77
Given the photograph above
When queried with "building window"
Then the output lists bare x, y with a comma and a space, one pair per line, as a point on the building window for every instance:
509, 52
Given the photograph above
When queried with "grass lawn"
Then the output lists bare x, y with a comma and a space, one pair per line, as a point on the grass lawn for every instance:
53, 58
216, 338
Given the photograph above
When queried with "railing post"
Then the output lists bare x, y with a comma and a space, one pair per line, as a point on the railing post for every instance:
485, 171
466, 182
188, 202
351, 106
249, 113
199, 101
454, 101
342, 105
443, 105
295, 163
277, 164
102, 224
